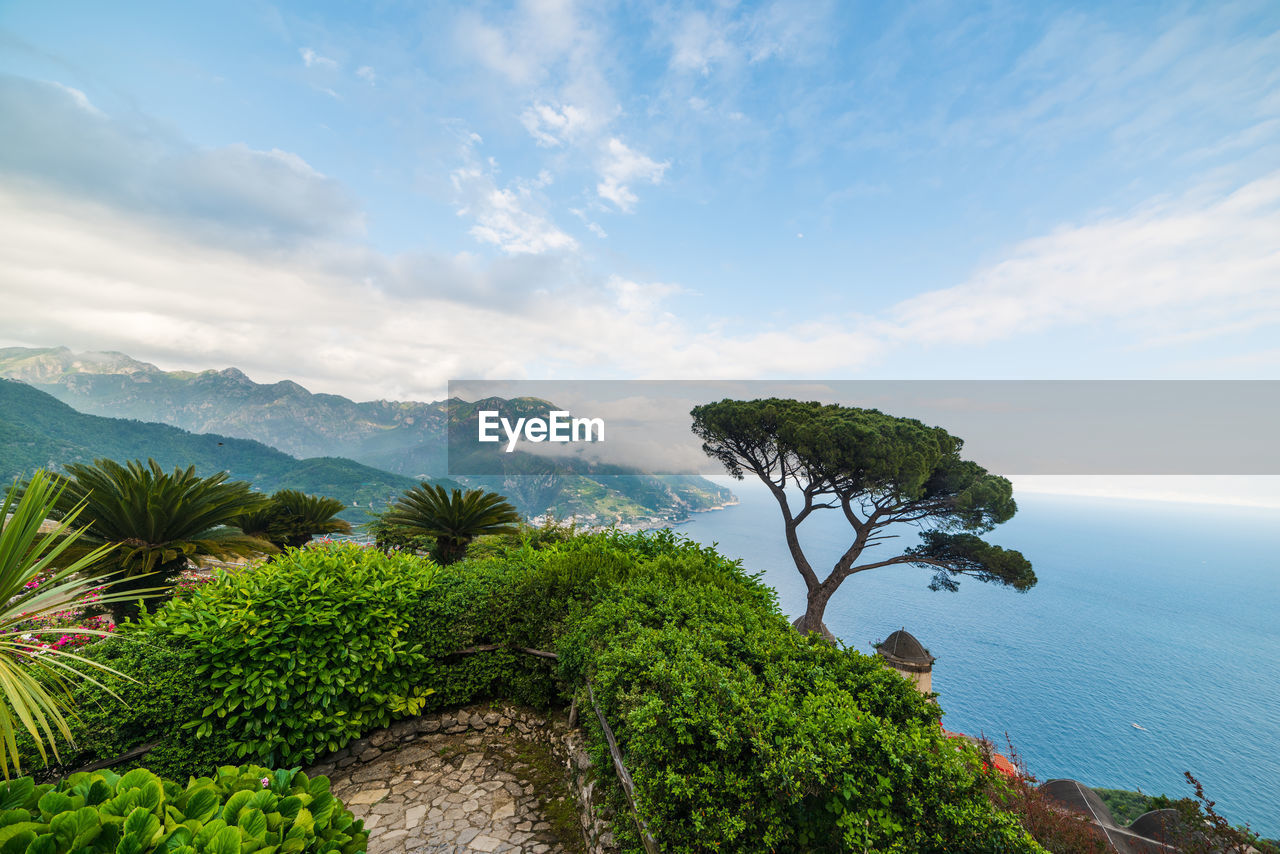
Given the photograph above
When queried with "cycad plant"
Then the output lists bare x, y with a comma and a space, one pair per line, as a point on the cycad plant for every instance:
34, 680
292, 518
159, 521
454, 518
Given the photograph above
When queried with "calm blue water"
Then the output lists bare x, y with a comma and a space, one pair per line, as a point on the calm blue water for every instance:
1160, 614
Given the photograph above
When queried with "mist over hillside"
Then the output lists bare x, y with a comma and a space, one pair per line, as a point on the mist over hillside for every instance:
405, 441
37, 431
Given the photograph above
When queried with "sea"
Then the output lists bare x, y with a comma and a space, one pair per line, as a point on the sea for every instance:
1159, 614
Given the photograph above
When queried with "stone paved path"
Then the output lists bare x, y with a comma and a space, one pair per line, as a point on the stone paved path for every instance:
449, 793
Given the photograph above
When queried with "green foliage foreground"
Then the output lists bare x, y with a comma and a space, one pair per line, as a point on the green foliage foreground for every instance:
307, 652
741, 735
237, 810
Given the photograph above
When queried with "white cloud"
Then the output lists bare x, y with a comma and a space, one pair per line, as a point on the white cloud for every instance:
243, 193
730, 36
1163, 269
638, 297
311, 59
537, 35
698, 42
620, 167
344, 319
80, 98
117, 237
367, 74
592, 226
1231, 490
553, 57
550, 125
347, 321
504, 216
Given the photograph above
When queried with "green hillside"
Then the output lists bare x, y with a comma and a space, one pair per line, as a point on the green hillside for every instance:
37, 431
601, 493
406, 438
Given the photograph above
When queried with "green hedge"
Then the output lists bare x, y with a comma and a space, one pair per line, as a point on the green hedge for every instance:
239, 810
163, 695
741, 735
306, 652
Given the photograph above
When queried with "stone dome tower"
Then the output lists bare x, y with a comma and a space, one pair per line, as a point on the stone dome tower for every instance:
905, 654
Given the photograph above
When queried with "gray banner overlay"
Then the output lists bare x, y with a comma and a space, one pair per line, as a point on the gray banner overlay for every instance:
1012, 427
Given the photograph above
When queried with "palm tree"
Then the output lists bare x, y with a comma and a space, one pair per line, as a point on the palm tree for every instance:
293, 518
454, 519
34, 679
158, 521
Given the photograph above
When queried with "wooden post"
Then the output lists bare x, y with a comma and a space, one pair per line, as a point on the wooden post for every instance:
624, 777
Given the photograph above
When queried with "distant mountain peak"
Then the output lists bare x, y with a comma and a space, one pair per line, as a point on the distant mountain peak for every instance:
400, 438
48, 364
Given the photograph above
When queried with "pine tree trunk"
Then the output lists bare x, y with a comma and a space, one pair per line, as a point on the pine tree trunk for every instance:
815, 608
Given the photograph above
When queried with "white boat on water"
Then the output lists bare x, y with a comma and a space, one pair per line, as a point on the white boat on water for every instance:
1140, 726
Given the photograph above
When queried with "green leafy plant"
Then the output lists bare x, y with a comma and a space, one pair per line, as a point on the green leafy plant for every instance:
34, 680
453, 518
238, 810
307, 652
157, 521
292, 518
148, 708
741, 735
392, 538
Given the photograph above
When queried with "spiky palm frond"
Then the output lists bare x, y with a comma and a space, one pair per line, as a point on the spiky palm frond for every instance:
292, 518
453, 518
157, 520
26, 670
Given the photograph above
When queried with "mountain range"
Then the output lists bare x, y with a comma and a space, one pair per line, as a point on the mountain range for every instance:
37, 431
379, 444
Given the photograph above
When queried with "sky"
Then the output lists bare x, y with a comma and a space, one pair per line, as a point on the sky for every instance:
373, 199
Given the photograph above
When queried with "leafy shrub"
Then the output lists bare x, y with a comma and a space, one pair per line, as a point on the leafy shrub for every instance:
307, 652
529, 595
743, 736
1125, 805
163, 695
236, 811
391, 538
467, 608
549, 533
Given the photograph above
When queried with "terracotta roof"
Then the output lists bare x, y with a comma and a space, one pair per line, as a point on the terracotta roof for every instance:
999, 761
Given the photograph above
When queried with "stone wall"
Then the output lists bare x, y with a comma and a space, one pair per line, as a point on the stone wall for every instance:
567, 744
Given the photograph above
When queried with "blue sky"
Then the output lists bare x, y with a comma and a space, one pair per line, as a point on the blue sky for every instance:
375, 200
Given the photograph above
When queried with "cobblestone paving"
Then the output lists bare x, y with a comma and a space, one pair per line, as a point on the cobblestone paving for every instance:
452, 793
